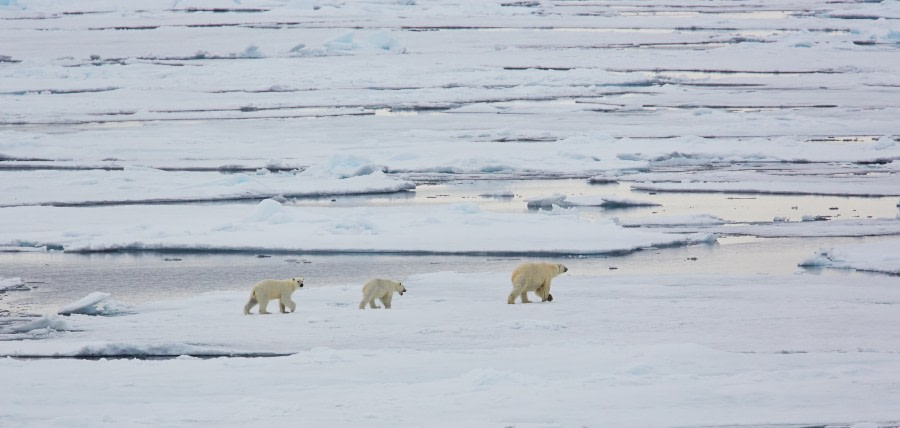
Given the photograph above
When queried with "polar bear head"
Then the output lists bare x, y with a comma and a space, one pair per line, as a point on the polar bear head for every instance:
562, 268
400, 288
297, 282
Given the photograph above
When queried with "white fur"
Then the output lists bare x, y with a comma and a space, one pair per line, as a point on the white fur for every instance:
271, 289
381, 289
534, 277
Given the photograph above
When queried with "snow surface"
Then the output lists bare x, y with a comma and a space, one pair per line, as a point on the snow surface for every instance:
558, 88
110, 108
586, 201
693, 220
271, 226
7, 284
883, 257
147, 185
96, 303
843, 180
634, 351
780, 228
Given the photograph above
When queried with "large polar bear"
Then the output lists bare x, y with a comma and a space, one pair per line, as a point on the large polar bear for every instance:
270, 289
381, 289
534, 277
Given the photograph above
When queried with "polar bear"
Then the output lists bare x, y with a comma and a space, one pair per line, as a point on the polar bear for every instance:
269, 289
381, 289
534, 277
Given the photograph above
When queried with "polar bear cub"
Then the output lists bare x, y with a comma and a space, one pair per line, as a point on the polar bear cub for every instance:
534, 277
270, 289
381, 289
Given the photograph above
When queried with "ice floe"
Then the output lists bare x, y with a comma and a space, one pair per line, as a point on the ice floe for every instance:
10, 284
272, 226
95, 303
672, 221
700, 335
880, 256
148, 185
566, 201
109, 102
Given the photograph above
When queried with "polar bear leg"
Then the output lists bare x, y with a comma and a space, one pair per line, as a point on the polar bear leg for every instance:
522, 289
263, 302
512, 295
286, 301
281, 307
543, 291
367, 298
386, 300
368, 301
525, 297
518, 290
250, 304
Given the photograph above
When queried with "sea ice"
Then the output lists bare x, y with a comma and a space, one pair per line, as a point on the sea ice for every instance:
879, 256
452, 351
95, 303
7, 284
566, 201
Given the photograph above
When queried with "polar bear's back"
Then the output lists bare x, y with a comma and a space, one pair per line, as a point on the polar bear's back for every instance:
380, 284
274, 287
532, 272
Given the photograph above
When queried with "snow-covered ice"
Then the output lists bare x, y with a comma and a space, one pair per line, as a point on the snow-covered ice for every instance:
842, 179
7, 284
630, 351
272, 226
195, 126
693, 220
586, 201
96, 303
883, 257
780, 228
147, 185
